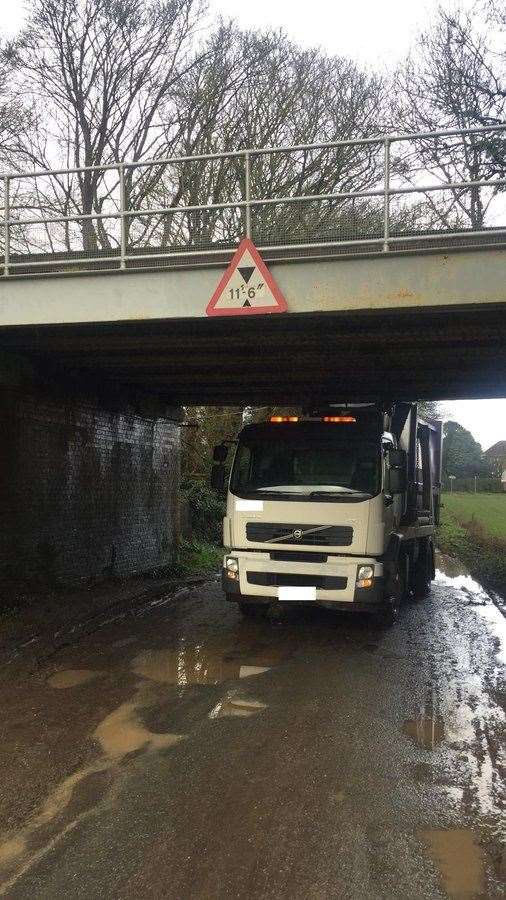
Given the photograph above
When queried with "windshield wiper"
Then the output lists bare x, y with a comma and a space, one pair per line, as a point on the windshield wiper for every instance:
335, 495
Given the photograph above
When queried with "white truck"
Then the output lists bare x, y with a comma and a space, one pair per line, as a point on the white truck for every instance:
335, 507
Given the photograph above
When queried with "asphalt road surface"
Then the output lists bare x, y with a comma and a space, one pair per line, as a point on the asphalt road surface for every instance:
187, 753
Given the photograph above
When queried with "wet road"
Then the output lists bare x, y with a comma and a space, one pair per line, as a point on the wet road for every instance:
186, 753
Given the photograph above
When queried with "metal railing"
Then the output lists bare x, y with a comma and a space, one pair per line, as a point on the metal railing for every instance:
287, 199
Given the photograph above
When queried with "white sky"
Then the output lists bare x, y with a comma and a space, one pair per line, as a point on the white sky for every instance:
371, 32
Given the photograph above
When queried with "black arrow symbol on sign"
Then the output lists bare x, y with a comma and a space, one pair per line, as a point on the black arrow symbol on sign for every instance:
246, 303
246, 272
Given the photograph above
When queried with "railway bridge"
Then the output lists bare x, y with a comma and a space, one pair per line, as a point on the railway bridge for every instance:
392, 271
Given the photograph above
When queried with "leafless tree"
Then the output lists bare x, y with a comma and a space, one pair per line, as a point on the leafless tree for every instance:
102, 72
449, 82
132, 80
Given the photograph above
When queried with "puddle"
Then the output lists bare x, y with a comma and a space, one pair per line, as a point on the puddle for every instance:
450, 565
200, 665
459, 859
452, 573
71, 677
473, 591
426, 730
236, 706
122, 732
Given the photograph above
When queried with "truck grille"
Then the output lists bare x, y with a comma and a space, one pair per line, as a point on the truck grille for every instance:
333, 536
283, 579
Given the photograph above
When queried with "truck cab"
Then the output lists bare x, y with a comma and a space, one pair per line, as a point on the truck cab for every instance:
336, 507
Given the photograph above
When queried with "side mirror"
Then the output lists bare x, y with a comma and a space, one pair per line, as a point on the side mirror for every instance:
218, 478
397, 459
398, 471
220, 453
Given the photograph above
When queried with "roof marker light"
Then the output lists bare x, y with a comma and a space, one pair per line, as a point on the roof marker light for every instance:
341, 419
278, 419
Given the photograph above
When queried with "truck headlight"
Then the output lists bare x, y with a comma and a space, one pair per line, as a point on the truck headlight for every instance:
232, 567
365, 576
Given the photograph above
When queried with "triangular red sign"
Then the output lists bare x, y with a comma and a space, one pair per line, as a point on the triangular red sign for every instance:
247, 288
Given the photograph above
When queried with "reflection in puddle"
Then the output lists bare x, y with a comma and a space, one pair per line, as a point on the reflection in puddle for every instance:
72, 677
453, 574
236, 706
459, 860
450, 565
200, 664
426, 730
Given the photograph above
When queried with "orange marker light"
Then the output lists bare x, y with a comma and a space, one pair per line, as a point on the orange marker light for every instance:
284, 418
342, 419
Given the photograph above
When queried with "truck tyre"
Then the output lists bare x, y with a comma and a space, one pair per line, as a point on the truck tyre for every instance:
387, 614
424, 569
401, 590
253, 610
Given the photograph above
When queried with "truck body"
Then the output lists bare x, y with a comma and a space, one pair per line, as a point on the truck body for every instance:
336, 507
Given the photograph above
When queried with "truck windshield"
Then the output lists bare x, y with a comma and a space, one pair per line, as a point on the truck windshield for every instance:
318, 465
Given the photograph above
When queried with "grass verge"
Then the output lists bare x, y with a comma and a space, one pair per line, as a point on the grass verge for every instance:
469, 531
198, 557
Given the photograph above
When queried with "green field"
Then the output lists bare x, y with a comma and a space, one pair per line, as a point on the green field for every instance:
486, 510
473, 528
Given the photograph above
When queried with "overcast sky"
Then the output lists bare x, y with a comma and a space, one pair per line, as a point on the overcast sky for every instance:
372, 32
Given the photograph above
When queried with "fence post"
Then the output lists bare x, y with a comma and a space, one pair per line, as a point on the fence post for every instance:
121, 169
7, 229
386, 200
247, 191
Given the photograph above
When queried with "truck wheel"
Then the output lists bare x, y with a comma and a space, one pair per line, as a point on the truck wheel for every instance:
423, 570
401, 590
387, 614
253, 610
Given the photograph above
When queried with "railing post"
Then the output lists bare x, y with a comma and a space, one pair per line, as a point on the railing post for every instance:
247, 191
7, 228
386, 201
121, 169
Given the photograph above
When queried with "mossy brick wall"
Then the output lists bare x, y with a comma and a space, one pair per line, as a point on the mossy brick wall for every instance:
85, 491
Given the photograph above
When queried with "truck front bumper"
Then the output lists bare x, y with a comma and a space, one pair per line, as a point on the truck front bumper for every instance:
332, 584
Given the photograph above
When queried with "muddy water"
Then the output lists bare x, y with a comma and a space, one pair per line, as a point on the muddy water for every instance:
203, 664
180, 726
71, 678
426, 730
460, 861
452, 574
123, 732
236, 706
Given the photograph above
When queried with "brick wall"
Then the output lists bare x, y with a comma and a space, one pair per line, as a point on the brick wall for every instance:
84, 490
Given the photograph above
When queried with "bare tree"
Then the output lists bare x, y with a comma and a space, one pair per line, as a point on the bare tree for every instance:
449, 82
120, 80
102, 71
258, 89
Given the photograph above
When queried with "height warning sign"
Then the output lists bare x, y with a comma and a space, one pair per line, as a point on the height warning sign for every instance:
247, 287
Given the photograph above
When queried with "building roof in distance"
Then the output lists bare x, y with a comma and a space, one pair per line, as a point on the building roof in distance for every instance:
497, 450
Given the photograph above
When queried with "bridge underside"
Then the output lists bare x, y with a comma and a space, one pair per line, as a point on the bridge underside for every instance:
442, 352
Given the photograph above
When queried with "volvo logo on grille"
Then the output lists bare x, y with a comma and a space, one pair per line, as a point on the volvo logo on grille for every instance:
297, 534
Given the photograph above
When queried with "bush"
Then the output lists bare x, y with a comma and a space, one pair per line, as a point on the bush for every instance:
207, 509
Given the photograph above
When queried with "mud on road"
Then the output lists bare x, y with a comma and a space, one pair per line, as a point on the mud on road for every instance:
187, 753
